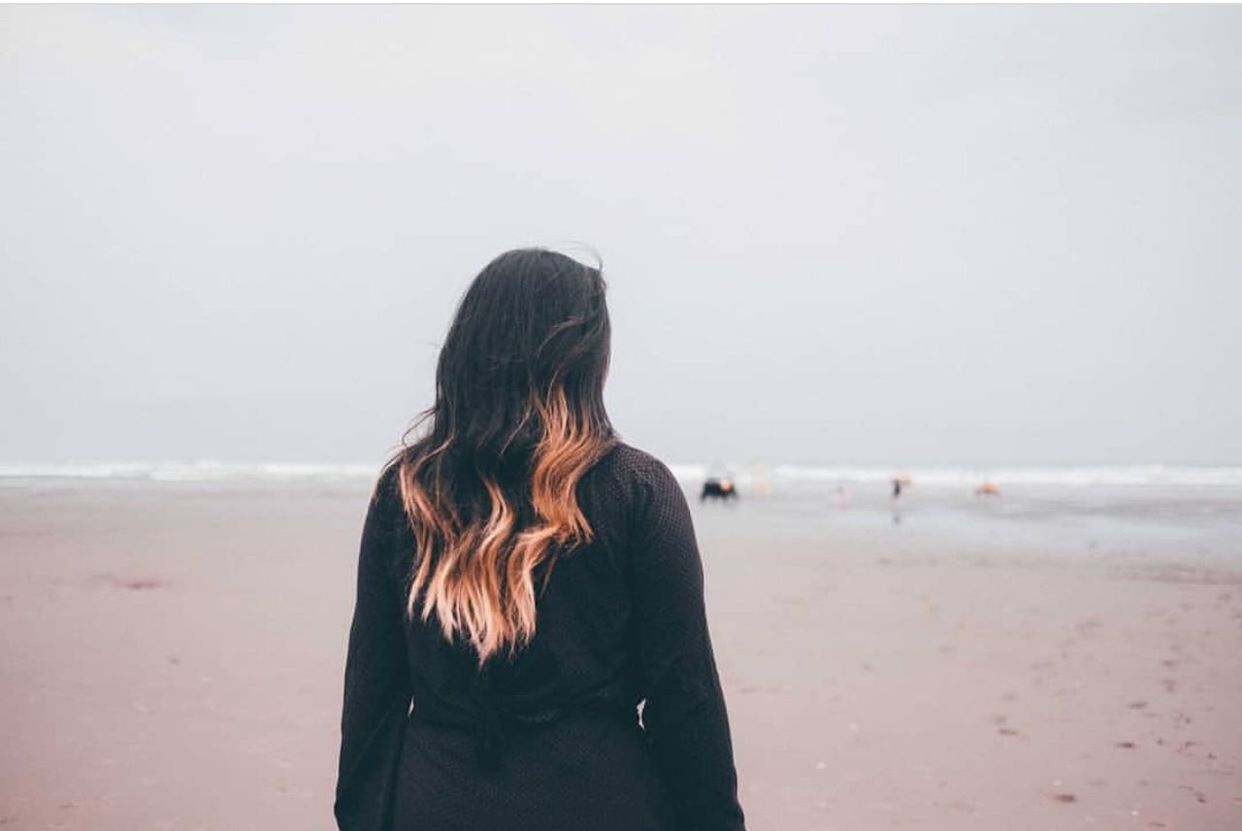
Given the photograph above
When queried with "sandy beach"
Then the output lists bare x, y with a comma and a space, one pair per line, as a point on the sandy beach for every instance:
172, 656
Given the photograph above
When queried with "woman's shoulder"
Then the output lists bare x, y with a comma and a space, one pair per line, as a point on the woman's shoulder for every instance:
634, 472
386, 501
625, 460
386, 483
621, 491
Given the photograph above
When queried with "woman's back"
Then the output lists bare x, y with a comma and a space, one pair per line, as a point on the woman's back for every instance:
526, 580
550, 738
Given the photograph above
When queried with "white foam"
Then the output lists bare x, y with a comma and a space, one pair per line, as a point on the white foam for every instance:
1068, 476
196, 471
808, 475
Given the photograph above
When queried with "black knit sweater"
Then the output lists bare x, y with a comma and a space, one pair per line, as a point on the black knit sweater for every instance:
622, 622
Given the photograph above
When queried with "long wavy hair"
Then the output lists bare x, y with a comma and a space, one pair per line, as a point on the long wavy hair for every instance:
490, 488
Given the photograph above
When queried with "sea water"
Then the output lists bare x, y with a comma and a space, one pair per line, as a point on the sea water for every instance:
1179, 512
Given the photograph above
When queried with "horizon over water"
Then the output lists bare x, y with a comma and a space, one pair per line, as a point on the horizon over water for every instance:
1179, 516
210, 470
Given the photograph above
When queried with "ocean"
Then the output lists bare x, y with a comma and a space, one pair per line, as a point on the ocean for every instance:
1182, 513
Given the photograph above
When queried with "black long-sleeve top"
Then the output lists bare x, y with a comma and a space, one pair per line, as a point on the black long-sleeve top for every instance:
622, 621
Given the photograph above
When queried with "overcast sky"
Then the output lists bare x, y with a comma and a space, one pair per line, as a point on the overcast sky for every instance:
850, 235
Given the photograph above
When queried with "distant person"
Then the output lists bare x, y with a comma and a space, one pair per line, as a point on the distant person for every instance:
843, 497
896, 488
526, 579
718, 489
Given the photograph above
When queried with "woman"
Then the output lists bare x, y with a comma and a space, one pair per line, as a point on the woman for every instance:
525, 580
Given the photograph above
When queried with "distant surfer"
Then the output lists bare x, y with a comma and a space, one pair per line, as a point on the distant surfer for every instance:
721, 488
898, 483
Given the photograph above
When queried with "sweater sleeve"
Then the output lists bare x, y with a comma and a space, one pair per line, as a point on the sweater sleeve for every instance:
377, 681
684, 712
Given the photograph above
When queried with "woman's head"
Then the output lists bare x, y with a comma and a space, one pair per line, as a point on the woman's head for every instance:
490, 486
530, 335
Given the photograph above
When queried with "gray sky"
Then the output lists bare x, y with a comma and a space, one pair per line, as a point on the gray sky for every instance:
885, 235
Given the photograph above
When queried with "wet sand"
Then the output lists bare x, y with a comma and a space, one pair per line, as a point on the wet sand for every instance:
171, 657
